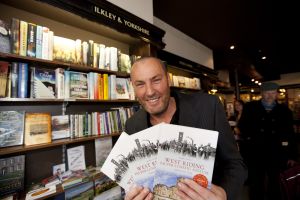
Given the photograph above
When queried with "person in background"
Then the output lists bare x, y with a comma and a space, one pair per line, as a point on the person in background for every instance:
267, 129
151, 85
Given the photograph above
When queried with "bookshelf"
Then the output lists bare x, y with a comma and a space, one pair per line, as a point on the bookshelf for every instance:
180, 66
99, 21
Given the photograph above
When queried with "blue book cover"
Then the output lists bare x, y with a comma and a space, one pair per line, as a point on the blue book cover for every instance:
44, 83
23, 80
39, 41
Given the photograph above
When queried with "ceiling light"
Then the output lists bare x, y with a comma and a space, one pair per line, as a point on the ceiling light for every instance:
259, 83
256, 82
232, 47
252, 80
252, 90
264, 58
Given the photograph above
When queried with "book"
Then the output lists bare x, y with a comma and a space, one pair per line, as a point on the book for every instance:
4, 37
64, 49
82, 191
23, 80
15, 36
23, 38
158, 161
44, 83
39, 41
31, 40
71, 178
116, 165
37, 128
11, 128
184, 152
102, 148
3, 77
76, 158
40, 192
60, 83
122, 88
14, 79
60, 127
12, 174
78, 85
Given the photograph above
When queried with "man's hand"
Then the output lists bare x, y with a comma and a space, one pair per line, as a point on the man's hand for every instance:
190, 190
138, 193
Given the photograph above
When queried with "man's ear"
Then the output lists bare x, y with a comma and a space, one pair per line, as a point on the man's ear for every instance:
169, 79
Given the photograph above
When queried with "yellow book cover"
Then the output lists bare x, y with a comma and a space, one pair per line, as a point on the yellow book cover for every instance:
105, 87
100, 81
37, 128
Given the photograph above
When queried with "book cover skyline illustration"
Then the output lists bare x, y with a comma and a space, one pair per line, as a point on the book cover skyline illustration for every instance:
184, 152
160, 156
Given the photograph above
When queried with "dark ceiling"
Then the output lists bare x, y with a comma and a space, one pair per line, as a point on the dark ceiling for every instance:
256, 27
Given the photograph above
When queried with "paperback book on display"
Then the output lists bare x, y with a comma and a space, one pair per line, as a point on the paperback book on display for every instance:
161, 156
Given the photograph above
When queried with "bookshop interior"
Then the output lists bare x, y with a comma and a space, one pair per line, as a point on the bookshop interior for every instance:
66, 94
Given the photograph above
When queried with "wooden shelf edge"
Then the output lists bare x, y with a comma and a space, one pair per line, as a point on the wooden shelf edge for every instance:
56, 64
24, 148
66, 100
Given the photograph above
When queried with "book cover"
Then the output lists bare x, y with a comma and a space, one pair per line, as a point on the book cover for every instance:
14, 79
40, 192
11, 128
60, 83
39, 41
116, 165
15, 36
64, 49
143, 157
103, 147
76, 158
44, 83
37, 128
103, 183
122, 88
23, 38
184, 152
60, 127
78, 85
4, 37
12, 174
23, 80
31, 40
83, 191
3, 77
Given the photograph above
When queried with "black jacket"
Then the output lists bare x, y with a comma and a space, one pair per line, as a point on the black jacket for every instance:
269, 135
205, 111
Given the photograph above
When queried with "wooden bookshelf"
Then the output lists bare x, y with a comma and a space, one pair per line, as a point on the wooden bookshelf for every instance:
55, 64
23, 148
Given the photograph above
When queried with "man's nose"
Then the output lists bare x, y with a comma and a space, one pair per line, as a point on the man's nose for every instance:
149, 90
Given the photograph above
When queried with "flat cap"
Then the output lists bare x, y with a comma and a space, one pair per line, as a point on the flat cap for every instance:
269, 86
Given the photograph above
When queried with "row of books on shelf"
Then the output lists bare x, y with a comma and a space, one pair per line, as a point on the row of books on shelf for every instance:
185, 82
21, 80
18, 127
32, 40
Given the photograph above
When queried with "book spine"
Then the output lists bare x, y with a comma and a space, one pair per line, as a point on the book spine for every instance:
15, 36
39, 41
23, 80
31, 40
14, 80
23, 38
3, 77
90, 53
50, 45
45, 43
60, 83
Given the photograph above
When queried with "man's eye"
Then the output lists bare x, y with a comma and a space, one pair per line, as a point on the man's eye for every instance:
157, 80
139, 85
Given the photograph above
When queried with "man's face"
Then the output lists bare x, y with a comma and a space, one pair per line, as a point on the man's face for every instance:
269, 96
151, 85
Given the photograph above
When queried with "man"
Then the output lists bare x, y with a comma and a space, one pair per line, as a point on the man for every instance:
151, 85
267, 129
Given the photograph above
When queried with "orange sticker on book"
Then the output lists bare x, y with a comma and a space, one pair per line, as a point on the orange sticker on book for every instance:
201, 180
